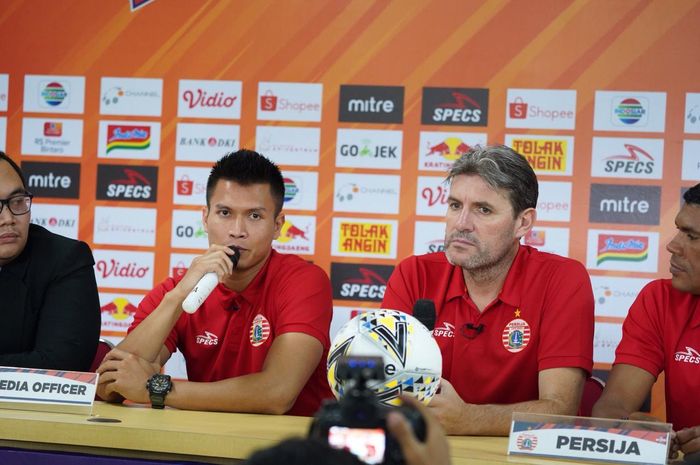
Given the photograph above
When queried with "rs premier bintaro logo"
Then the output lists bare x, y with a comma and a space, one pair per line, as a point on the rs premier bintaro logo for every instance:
615, 247
128, 137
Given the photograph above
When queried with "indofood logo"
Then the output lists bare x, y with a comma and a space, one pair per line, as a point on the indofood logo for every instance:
615, 247
128, 137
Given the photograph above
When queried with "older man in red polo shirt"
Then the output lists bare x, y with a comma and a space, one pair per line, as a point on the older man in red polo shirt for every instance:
662, 333
514, 325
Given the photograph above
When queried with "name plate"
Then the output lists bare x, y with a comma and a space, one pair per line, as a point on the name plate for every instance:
579, 438
47, 390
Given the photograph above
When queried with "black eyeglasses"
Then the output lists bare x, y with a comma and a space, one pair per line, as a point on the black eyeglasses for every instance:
18, 204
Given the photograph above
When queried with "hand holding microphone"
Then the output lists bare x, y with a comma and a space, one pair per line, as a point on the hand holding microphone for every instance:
206, 285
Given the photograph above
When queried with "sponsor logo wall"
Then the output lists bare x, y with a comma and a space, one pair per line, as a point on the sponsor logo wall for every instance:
364, 148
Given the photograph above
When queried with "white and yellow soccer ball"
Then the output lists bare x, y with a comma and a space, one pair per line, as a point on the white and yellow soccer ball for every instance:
412, 359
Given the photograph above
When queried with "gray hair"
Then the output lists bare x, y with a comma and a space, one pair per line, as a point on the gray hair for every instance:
501, 168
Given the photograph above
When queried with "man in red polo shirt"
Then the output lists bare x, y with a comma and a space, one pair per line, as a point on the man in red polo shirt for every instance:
259, 341
514, 325
662, 333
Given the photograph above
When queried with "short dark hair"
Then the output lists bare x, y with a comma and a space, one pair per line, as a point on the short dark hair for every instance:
6, 157
692, 195
501, 167
299, 451
246, 167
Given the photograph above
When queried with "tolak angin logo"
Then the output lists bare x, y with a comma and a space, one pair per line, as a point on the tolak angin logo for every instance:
129, 183
358, 237
541, 109
546, 154
371, 104
455, 106
289, 101
209, 99
359, 282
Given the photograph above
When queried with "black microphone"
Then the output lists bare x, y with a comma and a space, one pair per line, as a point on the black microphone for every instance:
470, 331
424, 311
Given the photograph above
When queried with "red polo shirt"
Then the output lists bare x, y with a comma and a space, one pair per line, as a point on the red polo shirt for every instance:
542, 318
232, 332
662, 333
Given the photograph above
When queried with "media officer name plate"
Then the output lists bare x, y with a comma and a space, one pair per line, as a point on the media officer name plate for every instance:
579, 438
47, 390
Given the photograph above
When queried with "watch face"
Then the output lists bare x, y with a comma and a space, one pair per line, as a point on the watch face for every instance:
160, 384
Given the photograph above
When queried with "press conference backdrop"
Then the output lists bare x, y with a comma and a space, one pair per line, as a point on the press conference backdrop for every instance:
117, 110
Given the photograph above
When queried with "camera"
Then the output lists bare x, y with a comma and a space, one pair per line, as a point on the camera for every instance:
357, 422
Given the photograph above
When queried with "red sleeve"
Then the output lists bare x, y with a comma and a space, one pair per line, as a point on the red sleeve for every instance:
150, 303
642, 332
567, 324
401, 290
305, 303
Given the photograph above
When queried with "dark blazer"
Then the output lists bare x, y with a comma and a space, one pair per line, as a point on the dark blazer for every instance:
49, 306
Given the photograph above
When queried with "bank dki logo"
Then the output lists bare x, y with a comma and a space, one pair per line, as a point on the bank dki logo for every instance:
58, 180
615, 203
455, 106
131, 183
371, 104
360, 282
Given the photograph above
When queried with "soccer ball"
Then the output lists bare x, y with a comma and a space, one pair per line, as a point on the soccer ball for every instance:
412, 359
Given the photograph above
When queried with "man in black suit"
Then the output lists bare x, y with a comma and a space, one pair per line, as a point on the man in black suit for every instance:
49, 305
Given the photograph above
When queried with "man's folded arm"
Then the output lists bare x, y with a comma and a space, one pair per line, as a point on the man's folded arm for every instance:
289, 364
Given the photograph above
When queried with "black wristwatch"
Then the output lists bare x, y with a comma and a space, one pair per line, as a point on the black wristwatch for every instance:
158, 387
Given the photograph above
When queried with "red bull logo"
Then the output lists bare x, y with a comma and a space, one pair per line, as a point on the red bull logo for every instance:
294, 239
117, 316
450, 149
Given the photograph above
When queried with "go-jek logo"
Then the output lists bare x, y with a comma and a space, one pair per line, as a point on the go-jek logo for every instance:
630, 111
450, 149
54, 94
290, 232
614, 247
128, 137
